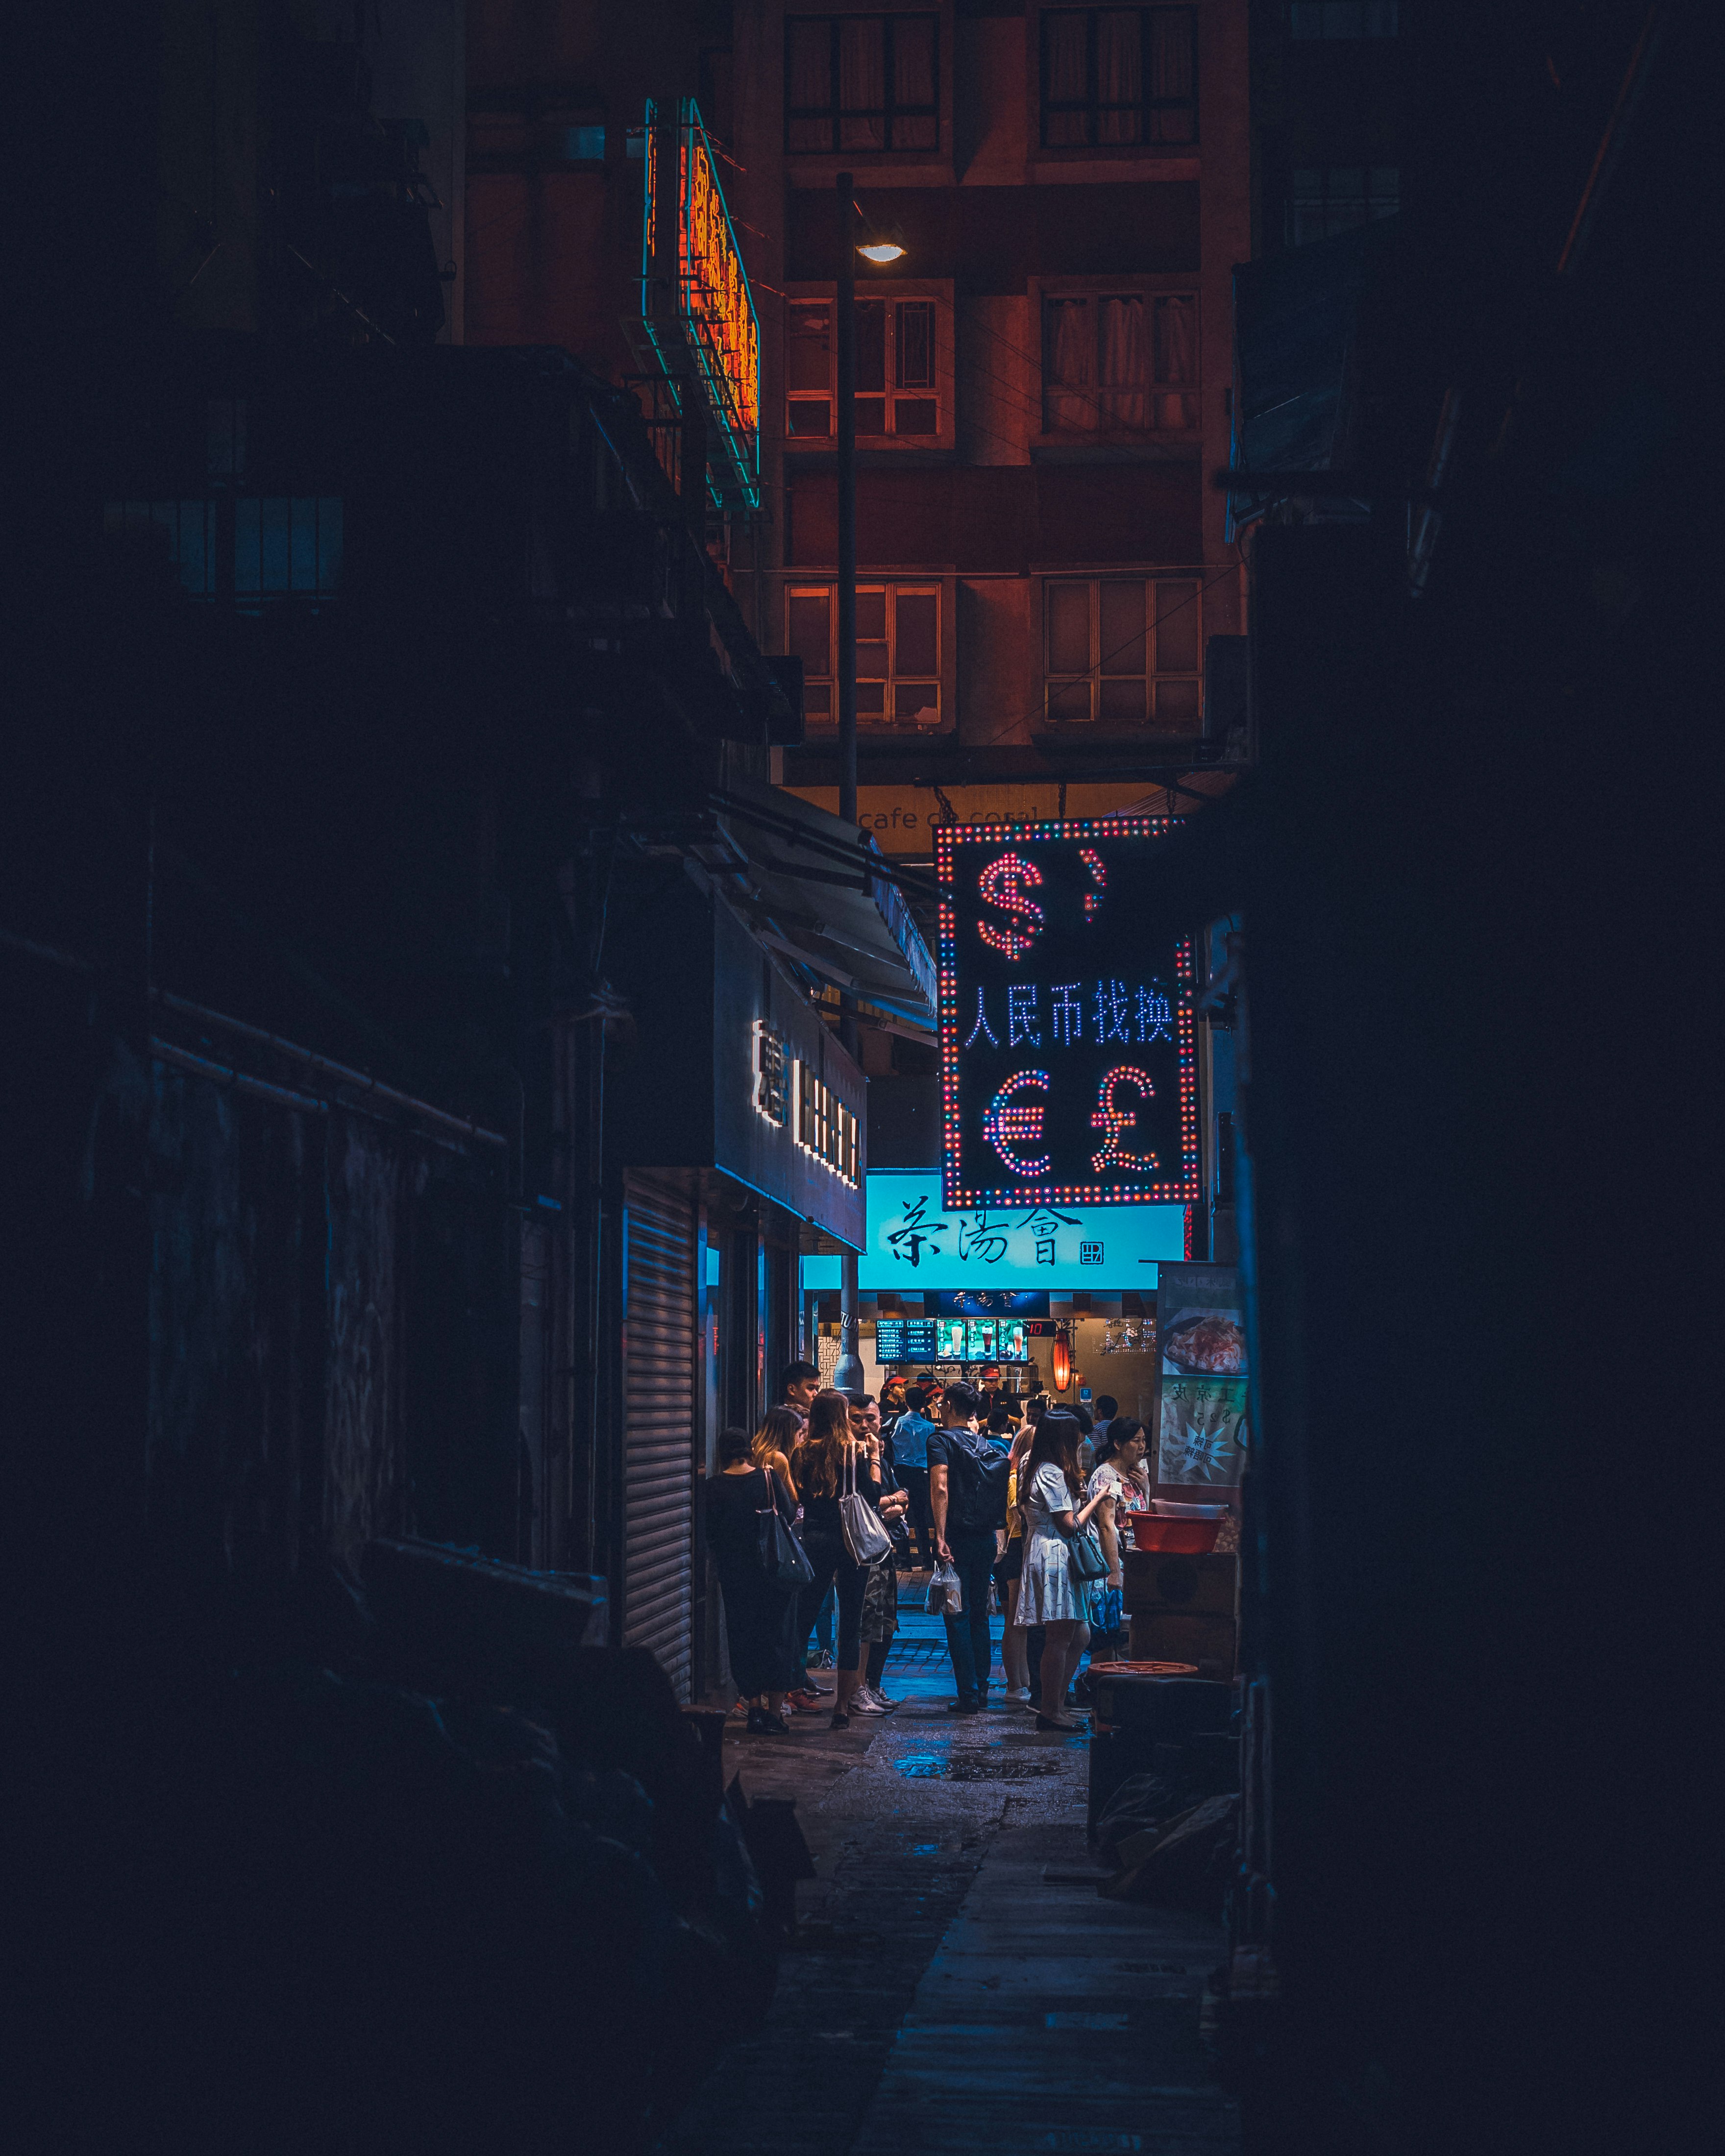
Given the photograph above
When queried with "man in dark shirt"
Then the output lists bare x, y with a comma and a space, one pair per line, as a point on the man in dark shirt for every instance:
966, 1494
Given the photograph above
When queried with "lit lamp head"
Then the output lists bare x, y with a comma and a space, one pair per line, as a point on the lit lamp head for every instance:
880, 250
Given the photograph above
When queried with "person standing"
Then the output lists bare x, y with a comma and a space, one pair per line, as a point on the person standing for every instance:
966, 1494
825, 1463
798, 1386
880, 1611
910, 1434
1055, 1509
760, 1611
1121, 1481
1014, 1639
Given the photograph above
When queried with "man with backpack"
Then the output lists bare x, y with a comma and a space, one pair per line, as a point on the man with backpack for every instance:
966, 1495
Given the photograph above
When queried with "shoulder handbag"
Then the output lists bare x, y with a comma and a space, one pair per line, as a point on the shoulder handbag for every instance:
783, 1557
866, 1537
898, 1532
1084, 1553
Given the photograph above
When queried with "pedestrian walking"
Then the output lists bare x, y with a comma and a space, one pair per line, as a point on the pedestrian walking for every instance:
910, 1434
1009, 1570
826, 1462
1055, 1509
966, 1494
1122, 1480
760, 1611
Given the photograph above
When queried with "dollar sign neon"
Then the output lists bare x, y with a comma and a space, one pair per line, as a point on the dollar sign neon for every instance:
1002, 884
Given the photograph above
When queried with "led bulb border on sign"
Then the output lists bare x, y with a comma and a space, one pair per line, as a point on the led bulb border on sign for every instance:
1183, 1189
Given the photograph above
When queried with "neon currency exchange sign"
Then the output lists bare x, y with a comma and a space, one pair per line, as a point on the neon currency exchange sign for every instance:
1068, 1068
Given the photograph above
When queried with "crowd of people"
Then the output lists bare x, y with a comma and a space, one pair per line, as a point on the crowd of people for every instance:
983, 1489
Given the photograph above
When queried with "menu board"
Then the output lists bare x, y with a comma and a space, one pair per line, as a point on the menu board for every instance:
905, 1340
1201, 1428
1014, 1347
949, 1333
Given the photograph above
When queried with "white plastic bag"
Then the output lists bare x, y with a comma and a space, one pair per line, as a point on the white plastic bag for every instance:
946, 1597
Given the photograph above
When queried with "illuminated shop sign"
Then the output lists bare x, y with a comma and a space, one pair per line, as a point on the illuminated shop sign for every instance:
914, 1242
1068, 1070
695, 297
825, 1127
769, 1093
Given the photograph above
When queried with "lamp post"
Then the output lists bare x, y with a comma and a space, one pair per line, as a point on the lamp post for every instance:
849, 1375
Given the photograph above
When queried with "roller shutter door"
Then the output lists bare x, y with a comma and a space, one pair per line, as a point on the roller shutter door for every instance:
659, 1417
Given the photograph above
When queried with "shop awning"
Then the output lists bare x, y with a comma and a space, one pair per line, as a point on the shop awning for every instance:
820, 892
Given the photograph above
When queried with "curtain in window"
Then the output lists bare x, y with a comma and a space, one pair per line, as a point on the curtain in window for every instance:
1123, 360
862, 83
1120, 87
1066, 334
1171, 73
1065, 74
811, 84
1176, 361
913, 83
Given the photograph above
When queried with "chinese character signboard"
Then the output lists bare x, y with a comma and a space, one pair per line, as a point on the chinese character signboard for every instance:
699, 312
917, 1243
1068, 1070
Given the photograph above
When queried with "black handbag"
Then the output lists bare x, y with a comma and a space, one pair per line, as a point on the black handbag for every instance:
783, 1557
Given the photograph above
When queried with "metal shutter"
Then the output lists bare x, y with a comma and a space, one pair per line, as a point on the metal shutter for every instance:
659, 1417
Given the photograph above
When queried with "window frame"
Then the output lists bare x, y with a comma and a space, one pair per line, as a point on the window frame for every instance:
1329, 197
1048, 683
837, 113
823, 724
1050, 442
1090, 105
896, 292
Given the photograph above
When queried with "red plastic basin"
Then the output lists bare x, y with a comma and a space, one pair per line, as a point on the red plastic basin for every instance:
1178, 1537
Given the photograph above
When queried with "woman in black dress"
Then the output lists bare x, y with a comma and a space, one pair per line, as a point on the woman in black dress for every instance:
760, 1611
827, 1463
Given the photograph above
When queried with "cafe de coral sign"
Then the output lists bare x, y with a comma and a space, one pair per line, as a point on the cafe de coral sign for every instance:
695, 298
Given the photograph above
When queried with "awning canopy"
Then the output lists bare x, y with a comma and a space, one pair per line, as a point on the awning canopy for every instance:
820, 892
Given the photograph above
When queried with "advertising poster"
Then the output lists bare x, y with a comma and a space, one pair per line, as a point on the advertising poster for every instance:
1200, 1327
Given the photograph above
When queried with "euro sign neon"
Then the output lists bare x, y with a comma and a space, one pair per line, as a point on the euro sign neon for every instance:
1004, 884
1007, 1124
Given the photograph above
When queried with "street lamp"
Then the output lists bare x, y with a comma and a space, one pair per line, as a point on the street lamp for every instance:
849, 1375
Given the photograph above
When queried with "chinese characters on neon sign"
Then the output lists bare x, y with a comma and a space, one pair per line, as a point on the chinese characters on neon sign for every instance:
699, 313
1067, 1062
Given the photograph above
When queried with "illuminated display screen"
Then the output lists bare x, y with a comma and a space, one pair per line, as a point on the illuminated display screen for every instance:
979, 1339
949, 1335
695, 298
1068, 1069
905, 1340
1013, 1346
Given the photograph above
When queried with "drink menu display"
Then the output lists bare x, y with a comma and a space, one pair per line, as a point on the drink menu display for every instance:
905, 1340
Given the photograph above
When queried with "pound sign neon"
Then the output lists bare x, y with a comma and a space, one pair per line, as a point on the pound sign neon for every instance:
1004, 883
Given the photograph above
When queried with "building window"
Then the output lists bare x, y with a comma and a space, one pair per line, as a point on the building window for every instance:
1123, 651
1119, 361
898, 657
1116, 77
862, 82
1329, 199
1344, 18
283, 547
896, 389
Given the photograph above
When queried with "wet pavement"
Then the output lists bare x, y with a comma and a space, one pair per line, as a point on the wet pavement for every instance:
955, 1982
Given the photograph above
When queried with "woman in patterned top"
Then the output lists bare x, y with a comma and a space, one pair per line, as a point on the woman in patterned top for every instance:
1121, 1480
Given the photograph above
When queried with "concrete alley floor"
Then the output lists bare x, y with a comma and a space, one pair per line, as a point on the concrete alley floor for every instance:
956, 1982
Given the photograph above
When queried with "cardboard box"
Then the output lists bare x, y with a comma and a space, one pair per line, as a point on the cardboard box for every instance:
1206, 1638
1157, 1580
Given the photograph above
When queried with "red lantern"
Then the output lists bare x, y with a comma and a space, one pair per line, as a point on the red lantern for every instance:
1062, 1363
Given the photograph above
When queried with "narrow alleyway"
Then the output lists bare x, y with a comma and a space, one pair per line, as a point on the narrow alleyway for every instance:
955, 1982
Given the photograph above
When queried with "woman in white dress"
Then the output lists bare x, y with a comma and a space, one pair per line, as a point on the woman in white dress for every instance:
1054, 1509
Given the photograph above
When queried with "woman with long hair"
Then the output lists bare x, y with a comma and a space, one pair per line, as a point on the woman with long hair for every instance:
760, 1611
828, 1462
1056, 1509
774, 1443
1015, 1645
1122, 1482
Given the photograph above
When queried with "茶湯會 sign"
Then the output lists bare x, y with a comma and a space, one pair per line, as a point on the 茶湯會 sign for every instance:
1068, 1069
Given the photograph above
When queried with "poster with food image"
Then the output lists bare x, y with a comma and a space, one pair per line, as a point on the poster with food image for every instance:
1202, 1364
1202, 1436
1201, 1321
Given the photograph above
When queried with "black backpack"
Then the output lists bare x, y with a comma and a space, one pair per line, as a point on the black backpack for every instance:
977, 1478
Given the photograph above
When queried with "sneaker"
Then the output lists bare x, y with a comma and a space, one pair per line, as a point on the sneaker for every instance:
1018, 1695
864, 1701
891, 1705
